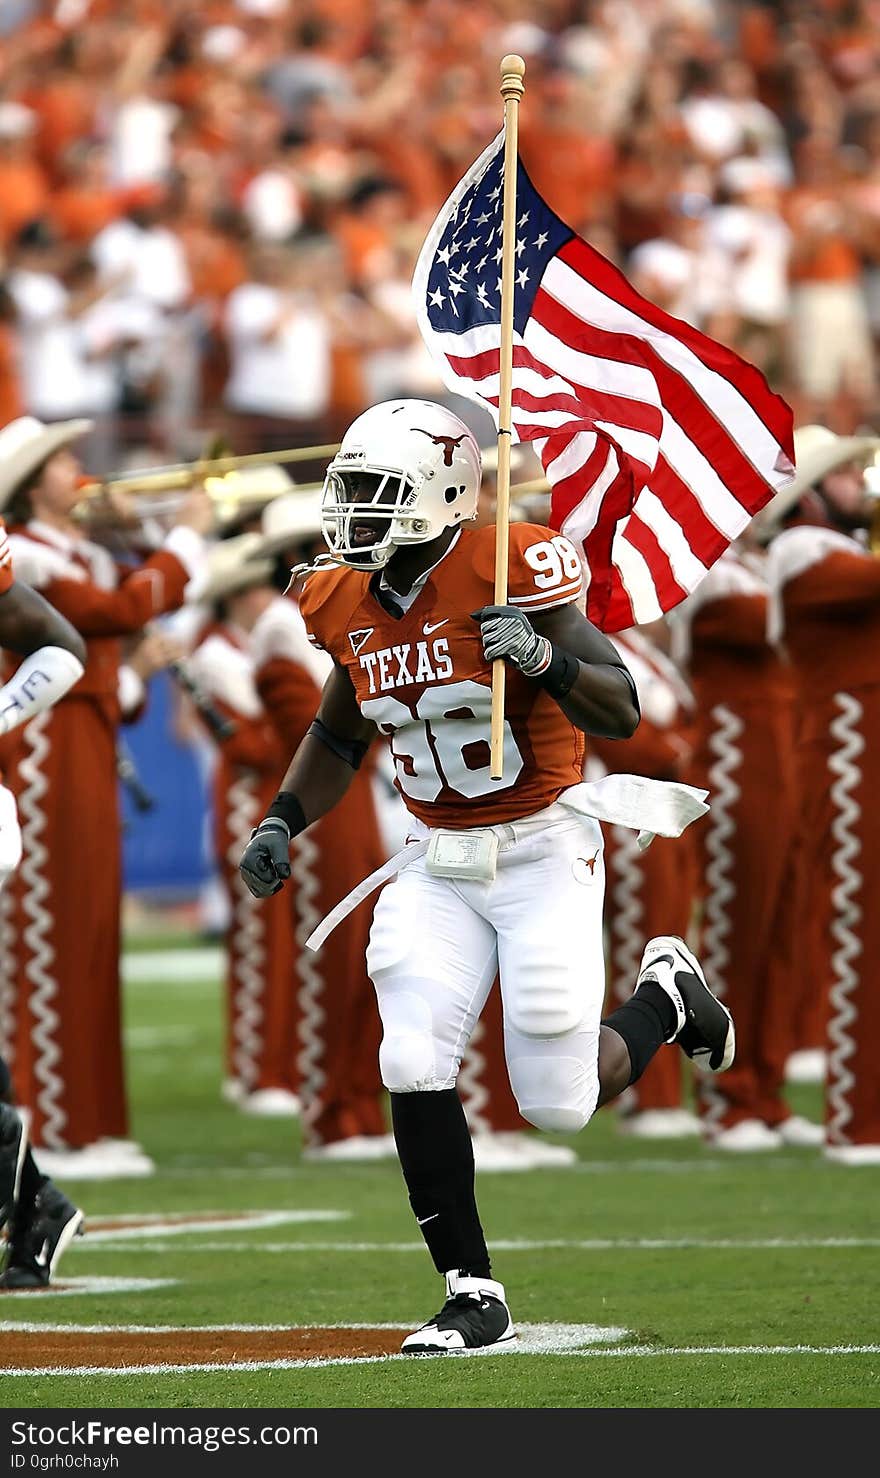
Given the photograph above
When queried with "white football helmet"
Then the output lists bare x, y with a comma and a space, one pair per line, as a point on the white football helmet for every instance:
406, 470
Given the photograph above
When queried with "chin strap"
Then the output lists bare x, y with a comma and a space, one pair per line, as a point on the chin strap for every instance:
302, 572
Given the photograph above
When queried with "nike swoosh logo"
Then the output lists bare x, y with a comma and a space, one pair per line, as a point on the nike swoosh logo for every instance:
433, 626
423, 1219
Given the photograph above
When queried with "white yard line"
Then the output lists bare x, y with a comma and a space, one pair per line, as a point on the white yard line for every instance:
284, 1169
184, 1224
79, 1287
184, 966
597, 1244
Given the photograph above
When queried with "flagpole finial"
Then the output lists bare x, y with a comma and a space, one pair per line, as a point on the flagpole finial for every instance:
513, 69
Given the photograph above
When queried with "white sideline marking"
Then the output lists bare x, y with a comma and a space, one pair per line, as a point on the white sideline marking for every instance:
534, 1339
77, 1287
597, 1244
32, 1328
183, 1224
184, 966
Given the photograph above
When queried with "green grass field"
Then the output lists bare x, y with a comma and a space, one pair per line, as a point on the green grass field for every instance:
720, 1282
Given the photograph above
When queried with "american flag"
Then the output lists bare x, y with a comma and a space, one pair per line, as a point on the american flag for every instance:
658, 443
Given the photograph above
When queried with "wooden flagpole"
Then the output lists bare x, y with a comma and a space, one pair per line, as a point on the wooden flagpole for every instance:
512, 88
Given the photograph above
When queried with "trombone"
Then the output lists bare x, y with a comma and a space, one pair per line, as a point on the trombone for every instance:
152, 489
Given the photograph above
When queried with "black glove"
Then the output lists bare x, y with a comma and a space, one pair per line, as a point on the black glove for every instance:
265, 861
508, 632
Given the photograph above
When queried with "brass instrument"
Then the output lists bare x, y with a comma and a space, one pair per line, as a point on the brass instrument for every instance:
182, 475
157, 493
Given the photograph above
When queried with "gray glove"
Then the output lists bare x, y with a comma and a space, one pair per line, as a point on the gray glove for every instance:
265, 861
507, 632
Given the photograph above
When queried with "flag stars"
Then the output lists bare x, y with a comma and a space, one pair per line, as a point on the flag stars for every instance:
443, 255
469, 245
522, 277
522, 220
482, 262
493, 194
540, 240
481, 220
520, 245
499, 254
455, 288
456, 246
437, 298
483, 295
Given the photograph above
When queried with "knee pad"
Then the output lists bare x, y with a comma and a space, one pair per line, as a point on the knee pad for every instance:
558, 1094
539, 1014
408, 1053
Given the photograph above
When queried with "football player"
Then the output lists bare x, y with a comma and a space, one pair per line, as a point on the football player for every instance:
499, 875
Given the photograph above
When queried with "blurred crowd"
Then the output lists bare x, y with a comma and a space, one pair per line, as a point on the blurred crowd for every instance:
210, 212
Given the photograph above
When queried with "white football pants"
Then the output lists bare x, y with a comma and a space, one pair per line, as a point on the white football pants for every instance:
437, 943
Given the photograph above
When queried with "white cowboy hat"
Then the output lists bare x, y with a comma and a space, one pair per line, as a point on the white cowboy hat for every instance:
26, 443
247, 488
287, 521
817, 451
230, 570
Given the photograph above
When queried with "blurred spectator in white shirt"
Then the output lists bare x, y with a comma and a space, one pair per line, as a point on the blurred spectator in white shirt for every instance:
54, 378
748, 229
279, 338
143, 247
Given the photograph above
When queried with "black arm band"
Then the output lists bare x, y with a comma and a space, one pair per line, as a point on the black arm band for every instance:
350, 750
288, 809
559, 678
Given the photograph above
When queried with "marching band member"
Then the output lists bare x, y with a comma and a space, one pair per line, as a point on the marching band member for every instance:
743, 737
260, 1001
825, 583
62, 949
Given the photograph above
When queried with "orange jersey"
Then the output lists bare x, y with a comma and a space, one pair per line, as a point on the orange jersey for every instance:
423, 680
6, 576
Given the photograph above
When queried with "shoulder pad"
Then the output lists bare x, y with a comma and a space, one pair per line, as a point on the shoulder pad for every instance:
545, 568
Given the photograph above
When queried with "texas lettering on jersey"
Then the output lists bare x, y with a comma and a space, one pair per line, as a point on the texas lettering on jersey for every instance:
404, 664
423, 680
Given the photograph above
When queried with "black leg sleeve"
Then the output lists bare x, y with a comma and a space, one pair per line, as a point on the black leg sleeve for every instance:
437, 1161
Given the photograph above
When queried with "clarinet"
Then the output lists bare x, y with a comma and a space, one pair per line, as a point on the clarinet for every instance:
219, 725
127, 772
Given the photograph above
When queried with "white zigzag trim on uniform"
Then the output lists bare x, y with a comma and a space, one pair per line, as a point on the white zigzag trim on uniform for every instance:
304, 858
35, 935
847, 912
721, 889
8, 972
247, 949
474, 1093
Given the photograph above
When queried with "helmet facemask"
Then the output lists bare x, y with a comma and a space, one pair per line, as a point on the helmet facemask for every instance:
369, 500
